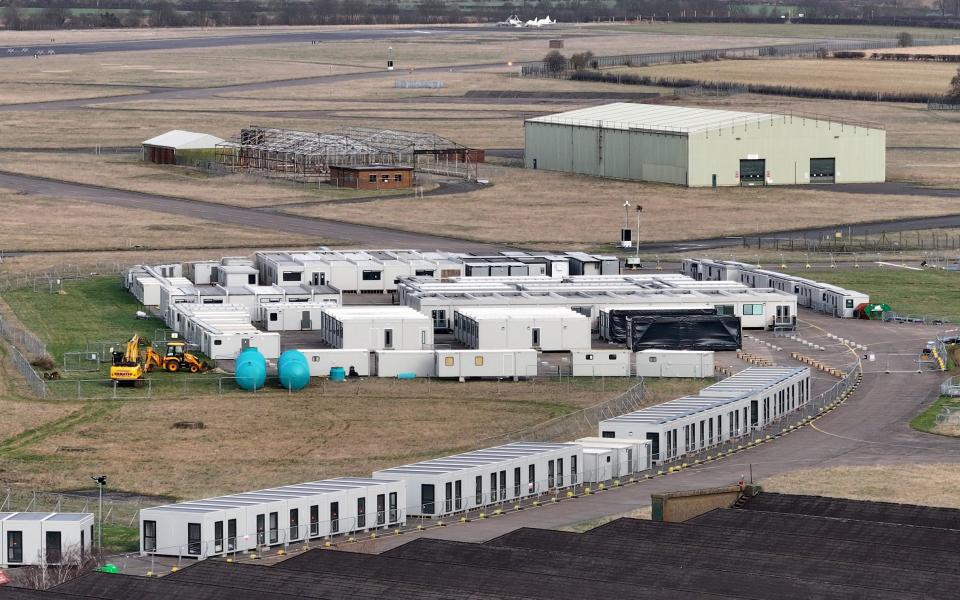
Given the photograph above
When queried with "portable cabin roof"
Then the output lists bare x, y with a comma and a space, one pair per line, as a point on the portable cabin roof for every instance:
179, 139
520, 312
746, 383
354, 313
468, 460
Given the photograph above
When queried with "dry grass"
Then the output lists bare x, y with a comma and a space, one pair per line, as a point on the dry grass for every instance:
17, 93
33, 223
854, 75
929, 485
940, 168
273, 438
502, 213
130, 173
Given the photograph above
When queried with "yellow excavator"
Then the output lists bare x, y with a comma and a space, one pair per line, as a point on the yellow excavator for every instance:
127, 368
175, 358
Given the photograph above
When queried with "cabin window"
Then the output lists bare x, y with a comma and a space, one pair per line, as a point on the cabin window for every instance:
398, 177
217, 342
385, 178
334, 517
294, 523
273, 316
478, 361
381, 509
478, 495
752, 309
612, 356
849, 303
448, 361
294, 276
372, 275
315, 520
725, 309
361, 513
149, 536
372, 179
14, 546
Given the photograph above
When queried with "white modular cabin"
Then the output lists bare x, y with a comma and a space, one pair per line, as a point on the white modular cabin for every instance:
251, 521
549, 329
501, 364
321, 360
377, 328
146, 290
42, 538
392, 363
630, 456
600, 363
234, 275
729, 409
293, 316
675, 363
452, 484
200, 272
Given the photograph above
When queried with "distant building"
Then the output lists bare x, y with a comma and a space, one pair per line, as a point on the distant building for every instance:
163, 148
371, 177
699, 147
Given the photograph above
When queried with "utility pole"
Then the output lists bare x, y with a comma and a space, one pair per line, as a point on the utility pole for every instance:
101, 481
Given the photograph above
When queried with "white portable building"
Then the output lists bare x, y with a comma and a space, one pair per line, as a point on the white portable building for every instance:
486, 363
377, 328
628, 457
293, 316
547, 328
675, 363
43, 538
445, 486
729, 409
277, 516
200, 272
391, 363
600, 363
146, 290
322, 360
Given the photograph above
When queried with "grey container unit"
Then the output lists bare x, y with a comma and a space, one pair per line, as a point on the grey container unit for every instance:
445, 486
278, 516
44, 538
732, 408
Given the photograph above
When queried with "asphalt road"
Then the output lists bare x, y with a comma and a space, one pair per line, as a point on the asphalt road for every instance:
326, 231
242, 39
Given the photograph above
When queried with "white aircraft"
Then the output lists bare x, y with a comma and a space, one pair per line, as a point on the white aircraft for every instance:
513, 21
539, 22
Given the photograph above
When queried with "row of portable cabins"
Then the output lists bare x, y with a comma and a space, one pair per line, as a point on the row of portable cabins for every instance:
253, 521
42, 538
376, 328
550, 329
456, 364
247, 522
729, 409
221, 332
822, 297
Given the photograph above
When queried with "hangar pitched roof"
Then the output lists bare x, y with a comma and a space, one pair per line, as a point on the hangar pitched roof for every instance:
653, 117
184, 140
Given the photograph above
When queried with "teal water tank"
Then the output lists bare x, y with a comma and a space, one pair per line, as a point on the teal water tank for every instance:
251, 370
337, 374
293, 370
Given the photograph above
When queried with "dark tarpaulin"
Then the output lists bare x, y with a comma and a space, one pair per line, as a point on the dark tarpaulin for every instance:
618, 328
684, 332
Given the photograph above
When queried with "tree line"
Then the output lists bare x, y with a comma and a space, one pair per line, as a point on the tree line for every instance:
56, 14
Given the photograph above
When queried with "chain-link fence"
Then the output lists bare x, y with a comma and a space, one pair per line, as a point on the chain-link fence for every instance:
116, 511
951, 387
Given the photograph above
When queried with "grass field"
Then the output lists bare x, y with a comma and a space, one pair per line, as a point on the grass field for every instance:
929, 485
928, 292
785, 30
927, 420
850, 75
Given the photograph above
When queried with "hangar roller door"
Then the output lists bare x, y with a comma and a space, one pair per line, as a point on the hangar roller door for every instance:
752, 172
823, 170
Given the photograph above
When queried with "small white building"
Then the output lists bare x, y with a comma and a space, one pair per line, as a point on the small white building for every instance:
377, 328
600, 363
675, 363
392, 363
234, 275
274, 517
501, 364
613, 458
548, 328
453, 484
321, 360
293, 316
42, 538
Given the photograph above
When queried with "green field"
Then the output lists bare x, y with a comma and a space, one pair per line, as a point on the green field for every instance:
91, 310
930, 292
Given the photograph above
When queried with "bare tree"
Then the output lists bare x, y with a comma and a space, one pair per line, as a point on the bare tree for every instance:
953, 94
581, 60
73, 562
904, 39
555, 62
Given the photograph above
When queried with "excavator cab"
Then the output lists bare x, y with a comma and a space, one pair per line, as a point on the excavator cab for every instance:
125, 368
175, 357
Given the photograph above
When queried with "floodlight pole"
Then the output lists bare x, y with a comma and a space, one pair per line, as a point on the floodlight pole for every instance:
637, 241
101, 481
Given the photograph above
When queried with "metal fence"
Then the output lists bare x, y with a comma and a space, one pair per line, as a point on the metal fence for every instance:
570, 426
541, 69
37, 385
951, 387
943, 106
115, 511
407, 84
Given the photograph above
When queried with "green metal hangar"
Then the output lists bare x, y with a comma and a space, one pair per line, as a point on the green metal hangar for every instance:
701, 147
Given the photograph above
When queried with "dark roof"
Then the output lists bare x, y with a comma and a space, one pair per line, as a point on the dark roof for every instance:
772, 548
376, 167
881, 512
